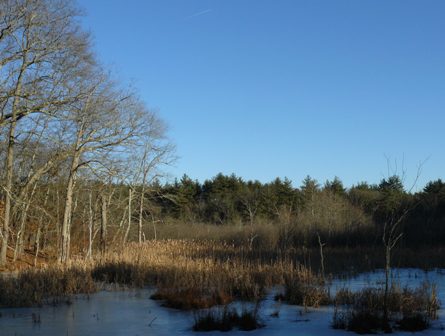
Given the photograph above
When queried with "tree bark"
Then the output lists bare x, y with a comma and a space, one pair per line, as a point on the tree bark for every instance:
321, 245
10, 164
103, 226
39, 231
141, 210
129, 216
66, 229
387, 281
90, 226
20, 233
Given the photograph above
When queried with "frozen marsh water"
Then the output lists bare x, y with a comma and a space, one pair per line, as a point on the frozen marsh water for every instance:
133, 313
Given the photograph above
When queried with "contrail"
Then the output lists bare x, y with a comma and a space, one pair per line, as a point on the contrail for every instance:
199, 14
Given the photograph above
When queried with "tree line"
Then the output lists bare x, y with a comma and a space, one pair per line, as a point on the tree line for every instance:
107, 214
343, 216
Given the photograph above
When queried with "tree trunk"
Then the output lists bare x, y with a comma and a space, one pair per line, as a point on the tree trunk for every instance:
129, 216
39, 230
320, 244
66, 230
103, 226
141, 210
20, 233
10, 165
37, 244
8, 188
154, 227
90, 226
387, 281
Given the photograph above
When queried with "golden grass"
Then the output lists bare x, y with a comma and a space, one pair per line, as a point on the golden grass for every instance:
213, 272
188, 274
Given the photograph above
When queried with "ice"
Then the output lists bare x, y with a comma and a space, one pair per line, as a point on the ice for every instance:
133, 313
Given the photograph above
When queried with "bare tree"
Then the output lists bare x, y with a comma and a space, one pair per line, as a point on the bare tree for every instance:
60, 114
101, 126
396, 209
41, 48
156, 152
321, 245
250, 198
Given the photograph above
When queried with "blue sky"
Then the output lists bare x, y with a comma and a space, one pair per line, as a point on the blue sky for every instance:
285, 88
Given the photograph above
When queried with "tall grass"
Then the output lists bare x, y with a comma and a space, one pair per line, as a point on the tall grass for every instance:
188, 274
304, 288
226, 319
50, 285
408, 309
207, 273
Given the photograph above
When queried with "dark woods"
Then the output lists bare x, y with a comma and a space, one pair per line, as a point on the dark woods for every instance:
227, 208
342, 217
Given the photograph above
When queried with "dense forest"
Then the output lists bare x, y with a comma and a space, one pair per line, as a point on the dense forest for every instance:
344, 217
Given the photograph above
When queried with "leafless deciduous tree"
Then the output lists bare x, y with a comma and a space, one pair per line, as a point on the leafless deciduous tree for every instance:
105, 126
42, 50
61, 116
394, 215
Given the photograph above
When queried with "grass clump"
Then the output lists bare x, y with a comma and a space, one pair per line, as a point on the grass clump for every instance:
51, 285
227, 319
120, 272
363, 311
188, 299
414, 322
302, 287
